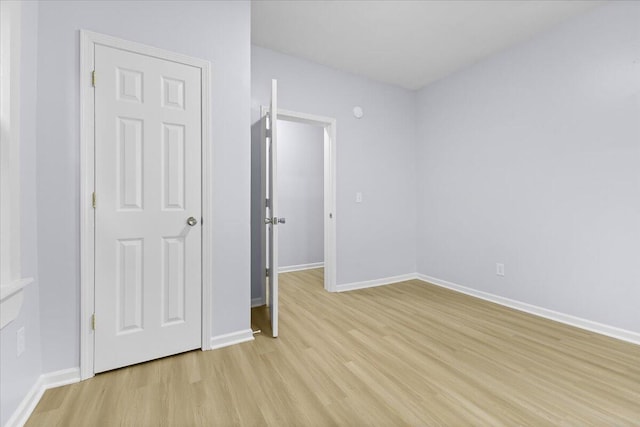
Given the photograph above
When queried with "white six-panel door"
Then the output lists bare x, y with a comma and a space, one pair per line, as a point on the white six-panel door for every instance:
148, 184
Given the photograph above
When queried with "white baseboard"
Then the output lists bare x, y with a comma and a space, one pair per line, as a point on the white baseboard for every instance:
300, 267
42, 384
226, 340
589, 325
257, 302
376, 282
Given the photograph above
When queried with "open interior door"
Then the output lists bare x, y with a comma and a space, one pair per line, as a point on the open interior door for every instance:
271, 219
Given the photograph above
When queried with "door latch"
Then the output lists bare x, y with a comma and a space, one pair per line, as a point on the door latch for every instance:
275, 220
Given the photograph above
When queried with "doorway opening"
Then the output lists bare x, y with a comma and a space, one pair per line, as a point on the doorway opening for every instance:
301, 196
267, 218
292, 125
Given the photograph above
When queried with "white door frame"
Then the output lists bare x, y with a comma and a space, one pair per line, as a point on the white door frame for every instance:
329, 125
88, 41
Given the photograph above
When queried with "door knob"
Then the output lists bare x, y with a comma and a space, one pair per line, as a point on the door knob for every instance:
274, 221
192, 221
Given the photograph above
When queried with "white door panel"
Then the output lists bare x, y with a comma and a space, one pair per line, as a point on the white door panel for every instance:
148, 182
272, 229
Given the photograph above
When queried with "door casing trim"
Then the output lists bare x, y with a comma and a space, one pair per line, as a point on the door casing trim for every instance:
329, 126
88, 41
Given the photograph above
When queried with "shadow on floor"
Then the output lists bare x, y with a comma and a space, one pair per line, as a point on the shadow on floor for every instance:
260, 320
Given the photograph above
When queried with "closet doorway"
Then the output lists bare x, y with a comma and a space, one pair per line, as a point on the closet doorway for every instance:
296, 146
281, 214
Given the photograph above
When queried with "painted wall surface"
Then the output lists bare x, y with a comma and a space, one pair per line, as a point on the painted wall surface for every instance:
301, 193
18, 374
531, 158
215, 31
375, 156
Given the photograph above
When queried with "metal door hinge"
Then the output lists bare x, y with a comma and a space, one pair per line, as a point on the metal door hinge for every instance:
93, 78
93, 200
267, 126
267, 272
93, 321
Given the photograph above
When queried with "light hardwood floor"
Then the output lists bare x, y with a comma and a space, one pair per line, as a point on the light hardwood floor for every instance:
405, 354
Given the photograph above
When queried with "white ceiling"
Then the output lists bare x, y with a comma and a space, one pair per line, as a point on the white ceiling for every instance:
407, 43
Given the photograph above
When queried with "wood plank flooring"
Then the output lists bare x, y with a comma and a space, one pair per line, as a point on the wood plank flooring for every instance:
404, 354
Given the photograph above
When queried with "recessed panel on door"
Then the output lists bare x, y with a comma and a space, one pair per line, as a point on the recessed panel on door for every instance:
173, 280
129, 288
173, 169
129, 85
173, 93
130, 147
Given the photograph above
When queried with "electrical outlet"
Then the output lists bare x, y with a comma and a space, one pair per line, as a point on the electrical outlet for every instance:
358, 197
499, 269
20, 341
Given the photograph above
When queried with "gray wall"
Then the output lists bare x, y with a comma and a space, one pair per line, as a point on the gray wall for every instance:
531, 158
18, 374
215, 31
375, 155
301, 193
